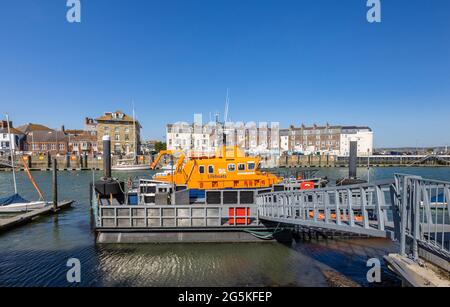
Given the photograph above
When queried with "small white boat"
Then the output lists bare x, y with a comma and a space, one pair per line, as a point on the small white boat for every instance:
130, 167
16, 204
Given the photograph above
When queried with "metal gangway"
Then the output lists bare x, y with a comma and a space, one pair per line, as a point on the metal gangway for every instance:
409, 209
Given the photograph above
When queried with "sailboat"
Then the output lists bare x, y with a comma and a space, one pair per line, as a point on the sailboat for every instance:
130, 165
16, 203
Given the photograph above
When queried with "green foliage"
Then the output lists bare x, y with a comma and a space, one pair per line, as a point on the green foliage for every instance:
160, 146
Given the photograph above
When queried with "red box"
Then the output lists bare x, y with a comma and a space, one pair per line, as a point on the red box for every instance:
239, 219
307, 185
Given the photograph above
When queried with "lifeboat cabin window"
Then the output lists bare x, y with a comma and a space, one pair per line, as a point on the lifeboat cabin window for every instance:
241, 167
231, 167
201, 169
251, 166
210, 169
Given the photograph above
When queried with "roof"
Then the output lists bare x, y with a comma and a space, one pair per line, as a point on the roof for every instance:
48, 136
118, 117
284, 132
13, 131
30, 127
356, 128
83, 138
74, 131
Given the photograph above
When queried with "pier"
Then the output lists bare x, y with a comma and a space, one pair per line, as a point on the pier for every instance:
409, 209
290, 161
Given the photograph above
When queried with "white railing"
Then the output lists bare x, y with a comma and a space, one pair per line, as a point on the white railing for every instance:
362, 209
424, 214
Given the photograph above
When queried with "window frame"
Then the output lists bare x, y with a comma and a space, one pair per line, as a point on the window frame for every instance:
248, 166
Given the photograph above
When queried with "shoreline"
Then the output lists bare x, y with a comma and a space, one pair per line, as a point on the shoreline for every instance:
8, 170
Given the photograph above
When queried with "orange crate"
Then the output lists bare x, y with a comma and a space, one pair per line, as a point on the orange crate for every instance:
239, 219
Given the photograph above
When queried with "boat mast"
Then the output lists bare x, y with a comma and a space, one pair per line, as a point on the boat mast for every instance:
134, 134
11, 154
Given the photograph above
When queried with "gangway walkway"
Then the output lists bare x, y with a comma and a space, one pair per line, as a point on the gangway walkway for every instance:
360, 209
409, 209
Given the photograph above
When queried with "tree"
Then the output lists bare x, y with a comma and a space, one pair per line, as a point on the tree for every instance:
160, 146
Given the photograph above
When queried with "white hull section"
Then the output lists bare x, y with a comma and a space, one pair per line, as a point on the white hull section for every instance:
130, 168
24, 207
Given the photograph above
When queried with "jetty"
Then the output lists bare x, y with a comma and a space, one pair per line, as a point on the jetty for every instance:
21, 219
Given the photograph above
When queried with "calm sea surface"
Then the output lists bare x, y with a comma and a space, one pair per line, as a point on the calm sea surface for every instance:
36, 254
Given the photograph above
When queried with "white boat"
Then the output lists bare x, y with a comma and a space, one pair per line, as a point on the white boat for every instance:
16, 204
130, 167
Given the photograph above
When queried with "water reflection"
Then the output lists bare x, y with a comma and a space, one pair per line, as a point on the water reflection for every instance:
36, 254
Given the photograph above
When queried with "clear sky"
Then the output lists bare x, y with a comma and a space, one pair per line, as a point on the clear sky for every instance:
311, 61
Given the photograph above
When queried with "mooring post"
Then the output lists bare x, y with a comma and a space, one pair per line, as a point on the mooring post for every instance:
55, 185
352, 163
106, 156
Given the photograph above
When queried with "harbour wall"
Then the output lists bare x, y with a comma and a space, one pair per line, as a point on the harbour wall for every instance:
43, 162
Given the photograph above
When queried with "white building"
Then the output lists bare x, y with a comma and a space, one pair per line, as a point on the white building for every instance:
362, 135
16, 137
284, 140
199, 139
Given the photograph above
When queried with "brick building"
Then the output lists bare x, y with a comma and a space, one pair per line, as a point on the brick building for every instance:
123, 131
327, 139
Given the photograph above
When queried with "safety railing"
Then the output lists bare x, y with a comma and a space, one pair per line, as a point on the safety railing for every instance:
424, 211
363, 209
175, 216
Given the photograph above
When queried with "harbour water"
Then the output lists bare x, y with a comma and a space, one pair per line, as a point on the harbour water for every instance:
36, 254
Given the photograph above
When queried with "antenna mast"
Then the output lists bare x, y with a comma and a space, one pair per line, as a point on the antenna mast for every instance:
11, 154
227, 101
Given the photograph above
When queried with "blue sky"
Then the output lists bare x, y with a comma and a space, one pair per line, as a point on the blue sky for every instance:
310, 61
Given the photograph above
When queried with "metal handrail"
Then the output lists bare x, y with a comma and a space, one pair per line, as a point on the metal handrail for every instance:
424, 208
361, 208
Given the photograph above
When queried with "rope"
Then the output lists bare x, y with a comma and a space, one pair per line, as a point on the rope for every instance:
264, 235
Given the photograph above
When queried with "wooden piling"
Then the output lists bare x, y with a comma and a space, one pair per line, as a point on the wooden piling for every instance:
55, 185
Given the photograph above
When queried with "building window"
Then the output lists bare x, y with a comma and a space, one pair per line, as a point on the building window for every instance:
231, 167
61, 146
201, 169
127, 137
117, 148
117, 137
241, 167
210, 169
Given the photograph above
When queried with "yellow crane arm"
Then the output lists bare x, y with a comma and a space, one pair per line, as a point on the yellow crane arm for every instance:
167, 152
